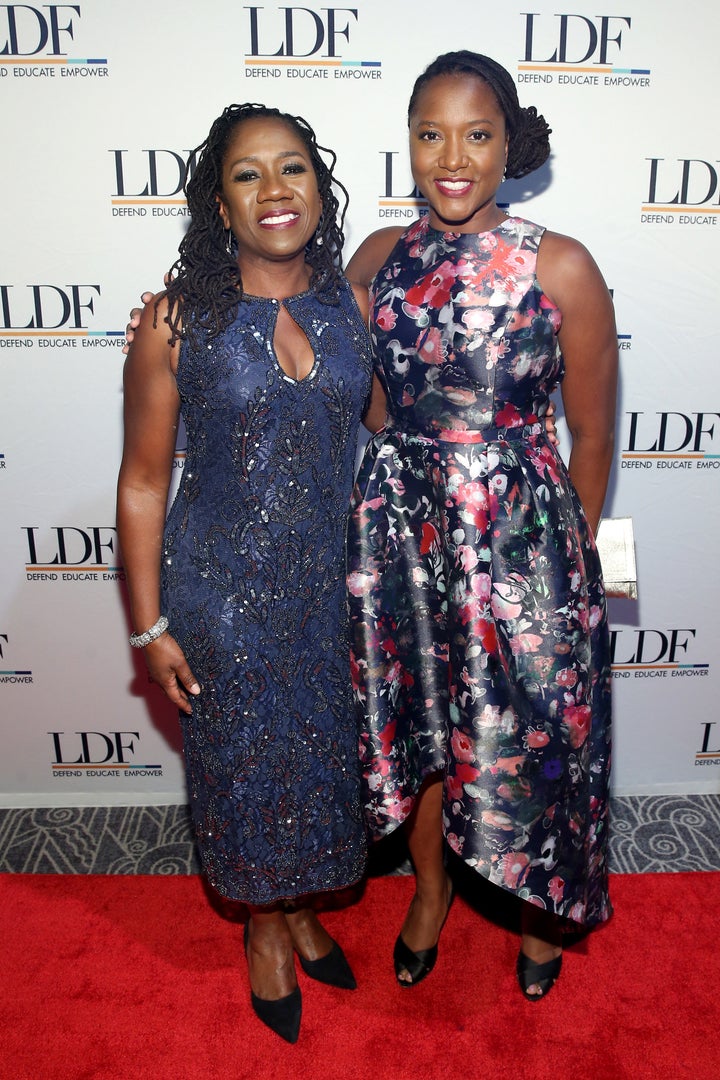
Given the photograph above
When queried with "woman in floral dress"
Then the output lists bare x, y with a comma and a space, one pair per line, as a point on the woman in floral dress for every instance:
479, 626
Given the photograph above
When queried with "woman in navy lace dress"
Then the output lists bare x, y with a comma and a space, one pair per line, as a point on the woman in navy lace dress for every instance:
239, 598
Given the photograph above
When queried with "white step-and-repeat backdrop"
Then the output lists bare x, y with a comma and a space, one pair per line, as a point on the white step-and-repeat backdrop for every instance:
100, 103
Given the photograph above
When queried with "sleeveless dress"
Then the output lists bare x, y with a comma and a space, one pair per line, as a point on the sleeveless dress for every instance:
479, 633
253, 583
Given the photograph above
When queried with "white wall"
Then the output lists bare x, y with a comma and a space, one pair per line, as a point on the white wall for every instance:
99, 100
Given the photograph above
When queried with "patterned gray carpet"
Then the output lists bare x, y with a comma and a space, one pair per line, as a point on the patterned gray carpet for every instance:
649, 834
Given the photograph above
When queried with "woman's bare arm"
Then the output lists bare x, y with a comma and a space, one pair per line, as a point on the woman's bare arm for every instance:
151, 412
588, 339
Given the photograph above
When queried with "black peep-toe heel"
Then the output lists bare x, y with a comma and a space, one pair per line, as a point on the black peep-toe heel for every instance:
531, 974
417, 964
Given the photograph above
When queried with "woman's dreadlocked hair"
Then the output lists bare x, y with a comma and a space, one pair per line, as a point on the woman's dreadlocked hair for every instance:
529, 145
204, 286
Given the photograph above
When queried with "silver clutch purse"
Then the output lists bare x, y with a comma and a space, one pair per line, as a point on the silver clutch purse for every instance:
616, 548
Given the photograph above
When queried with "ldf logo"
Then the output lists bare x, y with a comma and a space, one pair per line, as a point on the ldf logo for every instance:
686, 182
162, 172
575, 39
705, 748
71, 546
26, 31
49, 307
96, 748
301, 28
389, 193
650, 646
672, 433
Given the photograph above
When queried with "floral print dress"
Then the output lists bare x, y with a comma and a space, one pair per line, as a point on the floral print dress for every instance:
479, 631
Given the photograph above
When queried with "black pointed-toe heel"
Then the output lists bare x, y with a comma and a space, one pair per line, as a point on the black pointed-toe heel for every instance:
531, 974
282, 1015
332, 969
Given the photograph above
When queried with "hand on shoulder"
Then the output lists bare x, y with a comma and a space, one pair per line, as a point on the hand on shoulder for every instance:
151, 346
152, 318
135, 316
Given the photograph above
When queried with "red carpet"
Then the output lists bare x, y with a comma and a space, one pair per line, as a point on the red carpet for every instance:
125, 977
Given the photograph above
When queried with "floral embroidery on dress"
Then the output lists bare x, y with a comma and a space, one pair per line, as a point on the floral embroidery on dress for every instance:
253, 582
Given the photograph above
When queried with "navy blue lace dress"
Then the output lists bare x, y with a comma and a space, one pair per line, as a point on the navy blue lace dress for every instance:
253, 582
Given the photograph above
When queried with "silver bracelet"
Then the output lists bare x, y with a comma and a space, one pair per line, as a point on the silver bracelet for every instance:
139, 641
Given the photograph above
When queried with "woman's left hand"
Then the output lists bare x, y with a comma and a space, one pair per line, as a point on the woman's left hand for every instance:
550, 425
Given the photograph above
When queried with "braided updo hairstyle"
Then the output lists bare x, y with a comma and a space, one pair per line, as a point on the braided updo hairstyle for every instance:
205, 286
529, 145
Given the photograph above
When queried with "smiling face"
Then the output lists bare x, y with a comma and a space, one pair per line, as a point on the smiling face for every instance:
458, 150
269, 194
